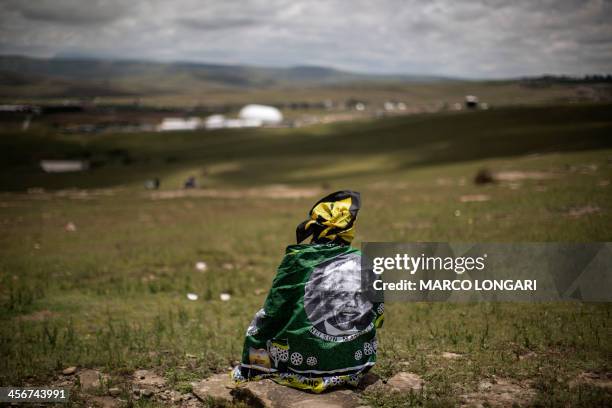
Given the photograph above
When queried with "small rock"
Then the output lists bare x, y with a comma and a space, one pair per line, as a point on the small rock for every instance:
450, 356
106, 402
144, 378
216, 387
266, 393
225, 297
146, 393
484, 386
201, 266
70, 227
405, 381
114, 392
90, 379
192, 296
69, 370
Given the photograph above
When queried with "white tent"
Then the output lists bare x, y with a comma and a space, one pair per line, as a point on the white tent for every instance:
214, 122
266, 115
179, 124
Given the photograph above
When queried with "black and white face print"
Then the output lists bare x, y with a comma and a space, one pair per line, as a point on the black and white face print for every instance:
333, 299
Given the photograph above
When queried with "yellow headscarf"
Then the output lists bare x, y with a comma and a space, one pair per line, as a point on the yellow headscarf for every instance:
331, 219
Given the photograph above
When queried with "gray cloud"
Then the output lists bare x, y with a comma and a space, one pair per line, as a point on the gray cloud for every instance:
487, 38
70, 11
215, 24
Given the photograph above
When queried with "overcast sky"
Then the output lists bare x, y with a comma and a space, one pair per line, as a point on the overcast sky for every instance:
471, 38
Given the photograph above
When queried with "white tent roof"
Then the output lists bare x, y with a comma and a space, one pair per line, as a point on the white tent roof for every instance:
263, 113
179, 124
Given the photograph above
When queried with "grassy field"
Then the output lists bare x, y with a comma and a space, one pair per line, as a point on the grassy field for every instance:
420, 96
112, 293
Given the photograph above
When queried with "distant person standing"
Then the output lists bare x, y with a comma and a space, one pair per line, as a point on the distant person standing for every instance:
190, 182
317, 329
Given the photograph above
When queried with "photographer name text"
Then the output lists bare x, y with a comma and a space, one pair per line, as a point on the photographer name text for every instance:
458, 265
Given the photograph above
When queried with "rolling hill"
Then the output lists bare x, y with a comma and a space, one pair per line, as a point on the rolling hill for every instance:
73, 77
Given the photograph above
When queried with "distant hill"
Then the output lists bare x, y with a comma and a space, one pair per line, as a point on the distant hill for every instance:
61, 77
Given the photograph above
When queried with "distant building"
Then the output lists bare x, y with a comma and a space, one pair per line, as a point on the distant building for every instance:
169, 124
257, 115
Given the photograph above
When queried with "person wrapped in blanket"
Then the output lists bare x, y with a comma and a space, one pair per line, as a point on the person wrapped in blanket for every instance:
317, 328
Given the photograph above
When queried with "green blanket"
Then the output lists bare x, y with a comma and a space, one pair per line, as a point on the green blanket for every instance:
316, 329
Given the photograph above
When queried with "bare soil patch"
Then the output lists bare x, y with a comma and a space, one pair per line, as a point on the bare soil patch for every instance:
499, 393
38, 316
601, 380
273, 192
